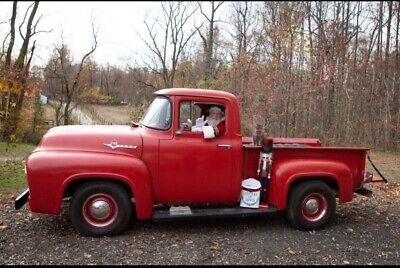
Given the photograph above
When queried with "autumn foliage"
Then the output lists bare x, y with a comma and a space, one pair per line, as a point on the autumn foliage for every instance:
328, 70
17, 90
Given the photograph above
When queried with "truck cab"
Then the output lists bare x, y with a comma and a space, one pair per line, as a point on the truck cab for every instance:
192, 169
168, 167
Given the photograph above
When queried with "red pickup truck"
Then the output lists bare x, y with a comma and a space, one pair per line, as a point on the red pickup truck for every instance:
160, 169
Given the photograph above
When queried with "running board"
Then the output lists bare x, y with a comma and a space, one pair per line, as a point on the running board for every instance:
188, 213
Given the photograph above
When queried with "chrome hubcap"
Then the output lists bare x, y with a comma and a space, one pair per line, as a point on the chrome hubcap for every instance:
100, 209
312, 206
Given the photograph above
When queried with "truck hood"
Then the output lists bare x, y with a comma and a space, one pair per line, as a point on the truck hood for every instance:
123, 140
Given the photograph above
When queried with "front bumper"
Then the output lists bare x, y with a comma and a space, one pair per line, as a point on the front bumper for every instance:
21, 199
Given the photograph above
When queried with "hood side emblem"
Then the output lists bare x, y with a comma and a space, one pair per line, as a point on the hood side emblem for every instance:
114, 145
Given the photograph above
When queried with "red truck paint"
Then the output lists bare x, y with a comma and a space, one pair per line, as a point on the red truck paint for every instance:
162, 167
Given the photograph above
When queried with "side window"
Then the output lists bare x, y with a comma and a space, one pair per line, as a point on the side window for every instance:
188, 113
184, 112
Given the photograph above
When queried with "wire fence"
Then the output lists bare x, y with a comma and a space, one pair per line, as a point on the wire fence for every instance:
99, 118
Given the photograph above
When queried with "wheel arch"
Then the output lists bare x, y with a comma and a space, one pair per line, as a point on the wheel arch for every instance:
73, 185
137, 188
289, 172
329, 180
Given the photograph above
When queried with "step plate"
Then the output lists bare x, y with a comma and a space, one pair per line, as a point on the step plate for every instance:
164, 215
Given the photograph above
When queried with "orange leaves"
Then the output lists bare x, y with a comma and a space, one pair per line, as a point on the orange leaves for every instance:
15, 89
214, 246
13, 84
9, 84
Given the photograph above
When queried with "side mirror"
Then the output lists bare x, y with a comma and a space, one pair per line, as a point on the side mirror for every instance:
134, 124
182, 127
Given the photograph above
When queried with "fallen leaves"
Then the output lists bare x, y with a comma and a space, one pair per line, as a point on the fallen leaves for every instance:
214, 246
137, 252
327, 258
216, 242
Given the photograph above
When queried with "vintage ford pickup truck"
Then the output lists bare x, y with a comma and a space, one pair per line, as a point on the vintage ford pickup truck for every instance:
159, 170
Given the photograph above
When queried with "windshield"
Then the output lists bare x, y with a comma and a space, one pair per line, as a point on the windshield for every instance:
159, 114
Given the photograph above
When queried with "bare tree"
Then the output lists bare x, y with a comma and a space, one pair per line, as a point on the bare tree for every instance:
5, 96
12, 38
167, 50
208, 40
30, 31
19, 64
61, 68
395, 100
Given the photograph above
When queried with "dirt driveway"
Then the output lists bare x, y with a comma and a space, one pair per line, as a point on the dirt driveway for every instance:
366, 231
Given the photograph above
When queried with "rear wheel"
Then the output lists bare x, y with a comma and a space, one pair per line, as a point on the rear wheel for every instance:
100, 208
311, 205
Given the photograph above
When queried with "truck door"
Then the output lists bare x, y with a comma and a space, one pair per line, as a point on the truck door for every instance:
193, 169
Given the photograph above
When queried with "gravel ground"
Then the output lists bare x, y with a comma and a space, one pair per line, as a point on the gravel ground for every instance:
365, 231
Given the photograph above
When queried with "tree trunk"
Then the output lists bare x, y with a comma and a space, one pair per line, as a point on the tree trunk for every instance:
12, 36
19, 63
395, 101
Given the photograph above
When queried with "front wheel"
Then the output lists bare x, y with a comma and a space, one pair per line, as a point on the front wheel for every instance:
100, 208
311, 205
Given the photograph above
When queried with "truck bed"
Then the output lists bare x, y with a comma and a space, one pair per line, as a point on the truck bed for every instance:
354, 158
343, 165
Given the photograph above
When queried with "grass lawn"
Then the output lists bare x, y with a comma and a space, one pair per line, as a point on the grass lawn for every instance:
15, 150
388, 163
12, 176
117, 114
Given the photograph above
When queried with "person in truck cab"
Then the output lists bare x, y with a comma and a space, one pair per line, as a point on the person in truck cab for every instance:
216, 119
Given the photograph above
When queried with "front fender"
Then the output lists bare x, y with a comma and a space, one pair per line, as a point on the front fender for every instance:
285, 173
50, 173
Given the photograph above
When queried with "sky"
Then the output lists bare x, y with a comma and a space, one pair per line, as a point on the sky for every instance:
118, 24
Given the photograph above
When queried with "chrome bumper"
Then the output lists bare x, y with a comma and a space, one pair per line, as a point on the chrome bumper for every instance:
21, 199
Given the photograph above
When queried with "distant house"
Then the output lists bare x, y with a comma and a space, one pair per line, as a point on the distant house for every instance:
43, 99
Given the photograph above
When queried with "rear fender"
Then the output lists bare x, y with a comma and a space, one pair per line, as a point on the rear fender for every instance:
286, 173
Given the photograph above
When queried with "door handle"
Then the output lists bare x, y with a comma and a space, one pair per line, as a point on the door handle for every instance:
227, 146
